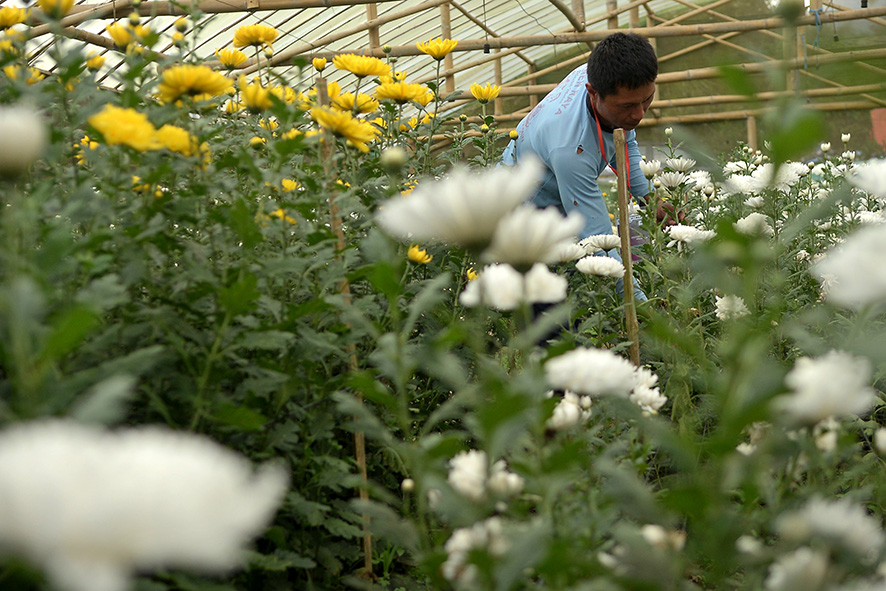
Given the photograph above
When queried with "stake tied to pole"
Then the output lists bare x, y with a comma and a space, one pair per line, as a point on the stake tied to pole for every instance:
624, 230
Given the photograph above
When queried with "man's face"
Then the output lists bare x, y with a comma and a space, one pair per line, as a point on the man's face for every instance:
625, 108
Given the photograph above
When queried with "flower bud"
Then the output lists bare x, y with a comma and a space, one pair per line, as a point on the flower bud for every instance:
484, 128
387, 49
826, 147
514, 134
393, 158
408, 485
181, 24
134, 18
462, 117
846, 137
669, 131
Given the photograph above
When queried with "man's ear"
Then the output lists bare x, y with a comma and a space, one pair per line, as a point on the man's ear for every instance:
591, 91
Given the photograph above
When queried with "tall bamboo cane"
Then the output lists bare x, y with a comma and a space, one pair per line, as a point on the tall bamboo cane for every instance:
633, 328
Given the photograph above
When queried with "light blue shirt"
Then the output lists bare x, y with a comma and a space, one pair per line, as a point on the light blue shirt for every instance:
562, 133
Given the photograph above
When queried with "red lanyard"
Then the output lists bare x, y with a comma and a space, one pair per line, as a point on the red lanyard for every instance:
603, 148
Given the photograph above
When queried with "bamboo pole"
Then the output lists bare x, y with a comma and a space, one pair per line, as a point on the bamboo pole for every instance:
577, 25
752, 132
464, 66
533, 98
612, 9
745, 113
335, 222
624, 230
371, 15
446, 33
166, 8
483, 26
578, 9
876, 21
499, 101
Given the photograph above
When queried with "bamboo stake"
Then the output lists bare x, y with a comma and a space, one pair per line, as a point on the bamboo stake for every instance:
752, 132
335, 221
624, 229
371, 15
446, 33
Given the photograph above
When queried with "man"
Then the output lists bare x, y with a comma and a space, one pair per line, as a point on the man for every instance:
571, 129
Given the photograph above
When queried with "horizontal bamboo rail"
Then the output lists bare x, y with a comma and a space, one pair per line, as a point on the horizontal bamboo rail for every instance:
742, 114
456, 5
165, 8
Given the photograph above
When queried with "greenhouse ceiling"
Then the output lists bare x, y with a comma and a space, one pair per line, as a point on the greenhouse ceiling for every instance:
505, 42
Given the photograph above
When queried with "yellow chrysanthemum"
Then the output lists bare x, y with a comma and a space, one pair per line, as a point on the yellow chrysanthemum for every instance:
256, 97
230, 58
142, 32
269, 124
11, 16
287, 94
231, 107
381, 123
400, 92
437, 48
319, 63
484, 94
257, 142
127, 127
364, 103
289, 185
8, 47
471, 274
14, 72
121, 34
191, 80
95, 62
254, 35
84, 144
361, 65
177, 139
418, 255
281, 214
424, 99
55, 8
346, 126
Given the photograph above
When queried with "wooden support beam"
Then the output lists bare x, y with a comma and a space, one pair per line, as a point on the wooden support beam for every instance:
166, 8
876, 21
696, 101
534, 75
533, 98
578, 9
694, 12
482, 25
371, 16
577, 25
446, 33
462, 66
752, 132
744, 114
612, 8
499, 101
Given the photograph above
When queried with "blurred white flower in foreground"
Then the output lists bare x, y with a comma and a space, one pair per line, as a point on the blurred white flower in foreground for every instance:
840, 522
603, 266
469, 475
803, 569
856, 269
599, 372
529, 235
754, 224
571, 410
731, 307
870, 177
662, 538
569, 251
597, 242
504, 288
92, 506
836, 384
681, 234
23, 136
462, 208
487, 535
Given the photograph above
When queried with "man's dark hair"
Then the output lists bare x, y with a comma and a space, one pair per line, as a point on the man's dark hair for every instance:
621, 60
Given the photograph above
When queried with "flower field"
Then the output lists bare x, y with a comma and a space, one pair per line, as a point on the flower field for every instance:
266, 334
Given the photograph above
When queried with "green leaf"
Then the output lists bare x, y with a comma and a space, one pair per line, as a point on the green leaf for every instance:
280, 560
241, 417
106, 402
270, 340
240, 297
738, 81
68, 331
795, 130
242, 221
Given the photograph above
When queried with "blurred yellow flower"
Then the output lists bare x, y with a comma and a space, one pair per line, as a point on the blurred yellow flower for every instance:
254, 35
437, 48
55, 8
289, 185
256, 141
127, 127
256, 97
418, 255
191, 80
95, 62
11, 16
471, 274
319, 63
269, 124
399, 76
120, 33
424, 99
346, 126
364, 103
84, 144
7, 47
232, 107
181, 24
400, 92
409, 187
291, 134
484, 94
177, 139
361, 65
281, 214
142, 32
287, 94
14, 72
230, 58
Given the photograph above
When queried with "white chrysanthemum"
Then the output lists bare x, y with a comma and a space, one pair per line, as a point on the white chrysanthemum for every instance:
731, 307
836, 384
870, 177
649, 399
858, 268
488, 535
870, 218
568, 251
672, 180
593, 372
529, 235
23, 136
682, 234
598, 242
754, 224
603, 266
92, 506
788, 175
680, 164
498, 286
467, 474
650, 167
701, 179
840, 522
462, 208
738, 166
502, 482
543, 286
741, 184
664, 539
571, 410
802, 569
755, 202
